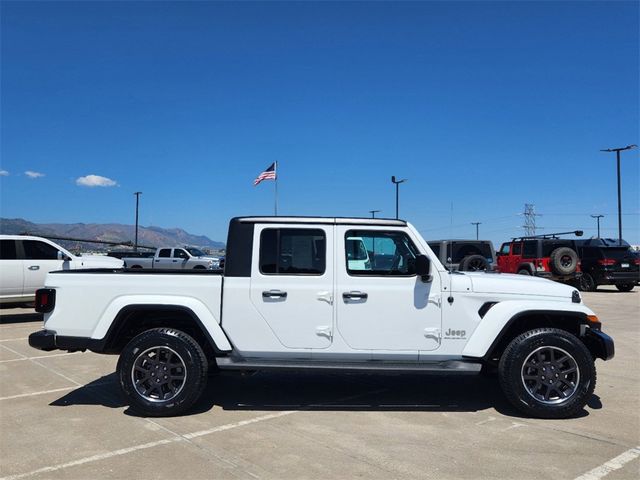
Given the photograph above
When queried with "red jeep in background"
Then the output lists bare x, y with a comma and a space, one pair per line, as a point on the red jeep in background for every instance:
543, 256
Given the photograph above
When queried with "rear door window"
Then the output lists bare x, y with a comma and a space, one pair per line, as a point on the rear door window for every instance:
164, 253
8, 250
292, 251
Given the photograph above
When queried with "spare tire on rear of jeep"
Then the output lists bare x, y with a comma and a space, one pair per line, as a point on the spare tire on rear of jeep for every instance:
473, 263
564, 261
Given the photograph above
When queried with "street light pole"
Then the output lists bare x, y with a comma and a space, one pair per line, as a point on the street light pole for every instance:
618, 150
477, 229
373, 213
598, 217
135, 245
397, 183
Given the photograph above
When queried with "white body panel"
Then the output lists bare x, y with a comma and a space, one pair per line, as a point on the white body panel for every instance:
20, 278
402, 317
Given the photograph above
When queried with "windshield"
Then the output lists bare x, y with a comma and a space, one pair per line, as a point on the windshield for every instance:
195, 252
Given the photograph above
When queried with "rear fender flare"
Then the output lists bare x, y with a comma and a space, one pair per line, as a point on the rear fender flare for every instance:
195, 307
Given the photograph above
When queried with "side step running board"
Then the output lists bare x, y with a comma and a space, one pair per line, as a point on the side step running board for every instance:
448, 366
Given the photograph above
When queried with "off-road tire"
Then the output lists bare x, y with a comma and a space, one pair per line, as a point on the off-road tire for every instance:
523, 348
563, 260
587, 283
473, 263
625, 287
186, 354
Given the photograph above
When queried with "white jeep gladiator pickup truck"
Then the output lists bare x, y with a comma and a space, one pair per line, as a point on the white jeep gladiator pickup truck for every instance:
174, 259
292, 297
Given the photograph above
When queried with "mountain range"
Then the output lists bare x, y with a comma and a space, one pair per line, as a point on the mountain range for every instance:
110, 232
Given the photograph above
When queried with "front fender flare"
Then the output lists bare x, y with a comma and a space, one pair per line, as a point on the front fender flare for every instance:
501, 315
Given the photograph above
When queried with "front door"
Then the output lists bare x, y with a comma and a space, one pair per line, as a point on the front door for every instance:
292, 283
381, 303
40, 258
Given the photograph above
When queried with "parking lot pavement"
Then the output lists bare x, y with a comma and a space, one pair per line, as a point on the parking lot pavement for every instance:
62, 416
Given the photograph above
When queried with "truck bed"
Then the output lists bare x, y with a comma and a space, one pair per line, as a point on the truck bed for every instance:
105, 292
142, 271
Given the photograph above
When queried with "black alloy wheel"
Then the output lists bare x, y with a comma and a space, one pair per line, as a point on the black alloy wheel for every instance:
162, 372
587, 283
547, 373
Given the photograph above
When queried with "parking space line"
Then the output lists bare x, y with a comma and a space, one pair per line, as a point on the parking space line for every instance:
94, 458
38, 357
13, 339
43, 392
144, 446
35, 362
176, 438
613, 464
61, 389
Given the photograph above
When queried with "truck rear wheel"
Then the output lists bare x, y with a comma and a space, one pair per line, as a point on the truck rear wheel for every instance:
162, 372
547, 373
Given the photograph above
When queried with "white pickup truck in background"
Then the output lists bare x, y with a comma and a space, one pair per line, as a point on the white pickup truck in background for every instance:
26, 260
181, 258
337, 294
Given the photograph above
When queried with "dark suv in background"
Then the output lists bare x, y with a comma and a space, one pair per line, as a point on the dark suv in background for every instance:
547, 256
465, 255
607, 261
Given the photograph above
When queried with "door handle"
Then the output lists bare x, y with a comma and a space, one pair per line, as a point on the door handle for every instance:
34, 267
354, 295
274, 294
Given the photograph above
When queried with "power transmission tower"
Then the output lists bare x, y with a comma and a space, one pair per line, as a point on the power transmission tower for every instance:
530, 219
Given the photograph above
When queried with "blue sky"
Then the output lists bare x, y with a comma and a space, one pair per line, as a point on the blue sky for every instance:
483, 105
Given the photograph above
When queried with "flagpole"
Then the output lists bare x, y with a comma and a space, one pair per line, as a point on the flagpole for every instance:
276, 184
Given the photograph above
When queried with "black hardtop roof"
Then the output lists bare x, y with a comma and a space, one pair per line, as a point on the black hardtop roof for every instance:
387, 222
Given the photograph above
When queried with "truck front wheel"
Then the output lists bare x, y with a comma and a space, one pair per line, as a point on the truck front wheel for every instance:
162, 372
547, 373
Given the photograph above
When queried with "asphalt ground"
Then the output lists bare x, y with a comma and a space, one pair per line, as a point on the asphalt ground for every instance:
62, 416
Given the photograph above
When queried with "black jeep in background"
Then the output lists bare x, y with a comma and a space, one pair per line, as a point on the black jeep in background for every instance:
606, 261
465, 255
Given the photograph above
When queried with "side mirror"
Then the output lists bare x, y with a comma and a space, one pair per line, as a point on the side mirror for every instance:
63, 257
423, 267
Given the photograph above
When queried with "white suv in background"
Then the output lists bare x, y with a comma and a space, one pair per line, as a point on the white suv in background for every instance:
25, 262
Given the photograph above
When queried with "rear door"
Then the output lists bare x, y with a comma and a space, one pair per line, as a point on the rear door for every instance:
12, 277
383, 305
40, 258
292, 283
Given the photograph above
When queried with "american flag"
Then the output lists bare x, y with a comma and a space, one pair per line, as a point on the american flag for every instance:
268, 174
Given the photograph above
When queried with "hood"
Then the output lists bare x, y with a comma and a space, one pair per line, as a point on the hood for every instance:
100, 261
505, 283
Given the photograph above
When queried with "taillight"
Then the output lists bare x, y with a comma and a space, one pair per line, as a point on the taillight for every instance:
636, 261
45, 300
607, 262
